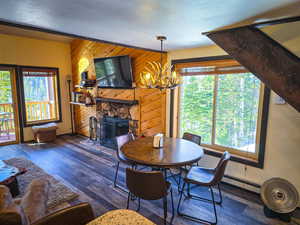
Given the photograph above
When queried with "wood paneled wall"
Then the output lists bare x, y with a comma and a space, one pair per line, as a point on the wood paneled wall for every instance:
152, 102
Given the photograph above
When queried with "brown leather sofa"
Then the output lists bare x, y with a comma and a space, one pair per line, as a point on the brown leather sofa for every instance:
31, 209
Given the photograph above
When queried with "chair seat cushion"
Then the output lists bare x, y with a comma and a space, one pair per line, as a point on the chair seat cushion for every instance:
199, 175
121, 217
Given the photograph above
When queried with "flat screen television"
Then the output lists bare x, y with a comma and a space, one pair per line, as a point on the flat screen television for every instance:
114, 72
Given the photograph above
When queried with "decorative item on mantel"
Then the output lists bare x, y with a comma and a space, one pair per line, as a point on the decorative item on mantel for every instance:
82, 98
157, 75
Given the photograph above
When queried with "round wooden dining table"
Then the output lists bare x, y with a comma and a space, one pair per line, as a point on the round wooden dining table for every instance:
175, 152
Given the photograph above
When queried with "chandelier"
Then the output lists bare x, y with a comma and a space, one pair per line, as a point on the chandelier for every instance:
157, 75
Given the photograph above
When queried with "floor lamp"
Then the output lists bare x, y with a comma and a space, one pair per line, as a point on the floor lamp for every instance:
69, 80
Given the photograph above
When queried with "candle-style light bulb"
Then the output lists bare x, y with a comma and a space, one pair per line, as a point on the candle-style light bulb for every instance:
174, 74
148, 76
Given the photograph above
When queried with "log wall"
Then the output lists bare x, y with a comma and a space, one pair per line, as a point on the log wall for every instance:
152, 102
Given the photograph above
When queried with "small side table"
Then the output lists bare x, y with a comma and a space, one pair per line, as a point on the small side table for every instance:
8, 177
121, 217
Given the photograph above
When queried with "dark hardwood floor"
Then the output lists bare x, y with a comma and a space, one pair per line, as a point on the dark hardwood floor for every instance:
90, 172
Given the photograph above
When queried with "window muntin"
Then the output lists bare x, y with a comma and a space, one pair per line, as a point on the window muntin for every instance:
40, 92
230, 118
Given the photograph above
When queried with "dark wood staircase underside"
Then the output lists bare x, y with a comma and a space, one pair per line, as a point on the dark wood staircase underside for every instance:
272, 63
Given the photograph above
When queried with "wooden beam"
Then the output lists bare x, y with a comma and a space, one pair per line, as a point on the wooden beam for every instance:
259, 25
273, 64
275, 22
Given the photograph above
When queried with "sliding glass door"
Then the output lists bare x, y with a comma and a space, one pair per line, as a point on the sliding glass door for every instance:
9, 124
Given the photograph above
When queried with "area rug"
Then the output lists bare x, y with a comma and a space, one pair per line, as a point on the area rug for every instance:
58, 192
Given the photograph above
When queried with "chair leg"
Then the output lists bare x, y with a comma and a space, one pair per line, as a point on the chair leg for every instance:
179, 180
195, 218
128, 199
139, 204
165, 203
178, 206
172, 201
189, 190
115, 179
116, 174
205, 199
214, 204
220, 195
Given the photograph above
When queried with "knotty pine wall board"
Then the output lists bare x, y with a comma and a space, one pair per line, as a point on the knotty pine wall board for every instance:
152, 102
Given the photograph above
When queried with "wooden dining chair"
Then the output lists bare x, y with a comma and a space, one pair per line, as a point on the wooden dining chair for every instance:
193, 138
121, 140
149, 185
208, 178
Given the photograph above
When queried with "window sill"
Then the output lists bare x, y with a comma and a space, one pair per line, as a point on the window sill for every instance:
235, 158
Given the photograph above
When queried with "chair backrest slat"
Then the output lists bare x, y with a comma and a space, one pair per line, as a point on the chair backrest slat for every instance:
122, 140
148, 185
192, 137
220, 169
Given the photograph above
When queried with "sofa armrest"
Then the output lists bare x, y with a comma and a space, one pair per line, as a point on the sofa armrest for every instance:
34, 202
10, 213
79, 214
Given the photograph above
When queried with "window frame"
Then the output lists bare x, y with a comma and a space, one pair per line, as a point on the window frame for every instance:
26, 123
216, 150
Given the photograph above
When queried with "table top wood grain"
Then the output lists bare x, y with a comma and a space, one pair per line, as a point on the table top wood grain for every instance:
175, 152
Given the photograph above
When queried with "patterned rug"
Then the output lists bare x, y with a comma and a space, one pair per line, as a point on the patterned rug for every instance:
58, 192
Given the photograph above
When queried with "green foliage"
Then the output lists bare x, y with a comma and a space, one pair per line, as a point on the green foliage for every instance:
5, 87
237, 110
197, 106
36, 88
237, 99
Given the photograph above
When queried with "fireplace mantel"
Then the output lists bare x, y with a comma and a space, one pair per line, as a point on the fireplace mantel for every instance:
120, 101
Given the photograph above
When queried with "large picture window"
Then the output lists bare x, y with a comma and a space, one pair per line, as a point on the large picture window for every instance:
41, 102
222, 102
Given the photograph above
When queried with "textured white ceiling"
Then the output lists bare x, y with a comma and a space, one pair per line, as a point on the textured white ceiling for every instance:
137, 22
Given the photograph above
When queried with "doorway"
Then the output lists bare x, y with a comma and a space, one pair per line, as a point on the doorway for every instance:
9, 123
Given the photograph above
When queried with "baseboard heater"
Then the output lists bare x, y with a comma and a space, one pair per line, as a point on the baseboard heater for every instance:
237, 181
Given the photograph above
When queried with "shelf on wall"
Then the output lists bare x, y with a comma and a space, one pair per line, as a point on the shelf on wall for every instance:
80, 103
84, 87
120, 101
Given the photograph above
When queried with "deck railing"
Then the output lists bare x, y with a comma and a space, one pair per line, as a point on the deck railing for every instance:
39, 110
9, 125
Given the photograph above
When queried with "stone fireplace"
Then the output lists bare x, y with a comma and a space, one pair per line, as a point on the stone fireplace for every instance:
115, 118
111, 127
